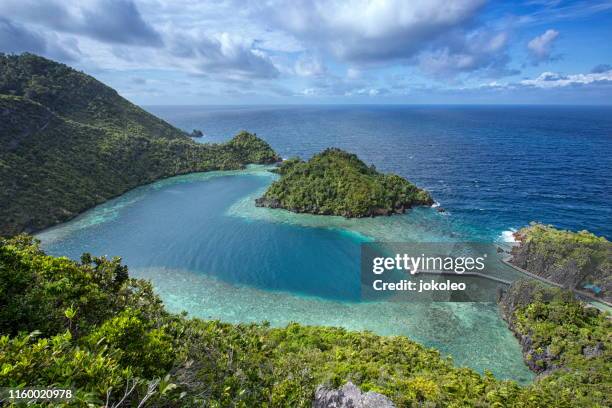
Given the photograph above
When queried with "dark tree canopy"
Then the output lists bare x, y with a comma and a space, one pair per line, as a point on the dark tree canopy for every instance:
335, 182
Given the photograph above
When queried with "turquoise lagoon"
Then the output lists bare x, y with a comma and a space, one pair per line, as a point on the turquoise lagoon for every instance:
209, 251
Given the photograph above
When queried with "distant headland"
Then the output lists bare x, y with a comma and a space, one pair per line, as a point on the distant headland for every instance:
68, 142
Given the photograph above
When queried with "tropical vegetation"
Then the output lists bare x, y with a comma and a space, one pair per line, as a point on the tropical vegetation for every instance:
576, 260
69, 142
335, 182
570, 345
88, 326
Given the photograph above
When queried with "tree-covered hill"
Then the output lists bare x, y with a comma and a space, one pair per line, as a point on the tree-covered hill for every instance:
90, 327
335, 182
77, 96
570, 345
576, 260
68, 142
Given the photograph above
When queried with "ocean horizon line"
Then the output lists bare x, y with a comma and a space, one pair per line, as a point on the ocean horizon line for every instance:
481, 105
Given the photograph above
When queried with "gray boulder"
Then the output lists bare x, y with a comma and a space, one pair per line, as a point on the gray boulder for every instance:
593, 351
349, 396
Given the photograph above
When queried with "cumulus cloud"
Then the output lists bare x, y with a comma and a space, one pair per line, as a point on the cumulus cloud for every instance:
210, 39
365, 31
115, 21
555, 80
15, 38
437, 35
232, 56
482, 51
327, 48
368, 92
541, 47
116, 34
333, 85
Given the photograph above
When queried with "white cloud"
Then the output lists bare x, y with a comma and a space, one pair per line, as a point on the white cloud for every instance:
494, 85
229, 52
555, 80
437, 35
113, 21
118, 35
325, 48
310, 67
368, 92
540, 47
310, 92
369, 31
221, 56
482, 51
353, 73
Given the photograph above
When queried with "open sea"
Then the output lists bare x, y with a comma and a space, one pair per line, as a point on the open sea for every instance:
208, 250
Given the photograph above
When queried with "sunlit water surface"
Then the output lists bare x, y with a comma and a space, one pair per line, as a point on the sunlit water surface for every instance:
208, 250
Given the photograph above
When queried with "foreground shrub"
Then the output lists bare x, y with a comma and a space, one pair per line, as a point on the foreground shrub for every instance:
110, 340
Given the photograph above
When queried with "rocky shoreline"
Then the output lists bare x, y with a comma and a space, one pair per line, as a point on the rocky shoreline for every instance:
373, 212
521, 294
573, 260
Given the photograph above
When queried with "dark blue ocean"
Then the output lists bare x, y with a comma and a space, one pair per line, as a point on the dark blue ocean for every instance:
209, 251
497, 167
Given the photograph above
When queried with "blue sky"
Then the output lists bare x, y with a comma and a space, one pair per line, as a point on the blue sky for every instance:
352, 51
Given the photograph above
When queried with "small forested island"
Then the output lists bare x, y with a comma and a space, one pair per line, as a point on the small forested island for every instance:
575, 260
68, 142
335, 182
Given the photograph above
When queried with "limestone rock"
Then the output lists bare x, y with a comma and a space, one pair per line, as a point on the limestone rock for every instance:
349, 396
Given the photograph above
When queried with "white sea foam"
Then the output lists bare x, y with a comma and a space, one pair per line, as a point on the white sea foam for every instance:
508, 236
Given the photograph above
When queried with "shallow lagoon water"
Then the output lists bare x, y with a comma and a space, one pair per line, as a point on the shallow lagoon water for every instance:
209, 251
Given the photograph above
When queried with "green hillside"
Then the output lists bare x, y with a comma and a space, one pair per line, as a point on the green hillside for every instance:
567, 343
77, 96
335, 182
87, 325
68, 142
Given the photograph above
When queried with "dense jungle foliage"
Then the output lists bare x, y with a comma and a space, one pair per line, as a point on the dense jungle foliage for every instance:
573, 259
69, 142
335, 182
568, 343
89, 326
